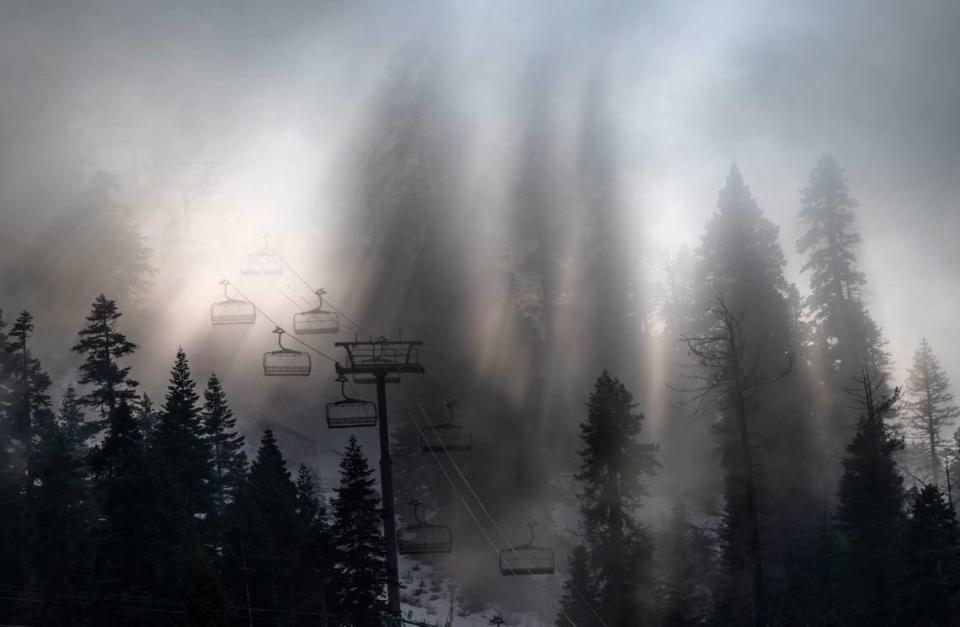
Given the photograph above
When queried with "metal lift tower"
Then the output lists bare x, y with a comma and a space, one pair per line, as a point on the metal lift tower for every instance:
382, 361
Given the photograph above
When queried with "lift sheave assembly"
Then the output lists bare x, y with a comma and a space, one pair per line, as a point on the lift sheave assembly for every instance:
527, 559
381, 354
285, 362
350, 413
423, 537
232, 310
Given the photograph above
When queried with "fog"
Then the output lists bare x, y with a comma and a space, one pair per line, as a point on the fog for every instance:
418, 159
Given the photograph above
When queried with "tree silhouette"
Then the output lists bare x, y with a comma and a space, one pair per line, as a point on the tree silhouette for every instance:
870, 515
360, 552
578, 599
224, 445
180, 456
102, 345
929, 584
613, 464
930, 404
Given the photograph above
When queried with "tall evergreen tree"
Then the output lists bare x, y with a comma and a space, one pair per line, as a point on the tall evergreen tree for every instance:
685, 561
578, 601
146, 415
224, 445
102, 346
613, 464
929, 585
61, 518
73, 422
126, 537
28, 402
930, 405
741, 263
265, 534
360, 551
180, 456
870, 517
847, 337
315, 585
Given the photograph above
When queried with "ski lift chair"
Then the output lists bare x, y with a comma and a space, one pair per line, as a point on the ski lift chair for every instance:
231, 310
527, 559
262, 262
446, 436
317, 320
285, 362
350, 413
423, 537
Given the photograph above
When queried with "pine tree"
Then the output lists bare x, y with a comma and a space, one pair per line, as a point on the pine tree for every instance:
316, 550
224, 444
28, 402
758, 392
264, 533
578, 601
146, 415
685, 558
929, 586
180, 456
930, 404
846, 335
73, 422
360, 552
870, 517
61, 517
13, 531
103, 345
613, 464
126, 537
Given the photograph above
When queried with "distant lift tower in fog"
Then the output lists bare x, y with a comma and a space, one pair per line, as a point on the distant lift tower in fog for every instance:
383, 361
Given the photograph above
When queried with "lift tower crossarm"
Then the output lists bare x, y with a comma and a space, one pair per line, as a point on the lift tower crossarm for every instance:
376, 360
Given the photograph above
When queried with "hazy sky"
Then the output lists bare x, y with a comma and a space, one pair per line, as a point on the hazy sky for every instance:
276, 94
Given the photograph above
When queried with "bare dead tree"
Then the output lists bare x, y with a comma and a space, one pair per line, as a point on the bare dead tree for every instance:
725, 376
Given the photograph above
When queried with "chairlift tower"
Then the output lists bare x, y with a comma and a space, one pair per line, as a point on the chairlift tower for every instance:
383, 361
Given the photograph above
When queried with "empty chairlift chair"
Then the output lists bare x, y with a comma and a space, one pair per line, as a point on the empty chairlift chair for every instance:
285, 362
446, 436
317, 320
262, 262
423, 537
350, 413
527, 559
231, 310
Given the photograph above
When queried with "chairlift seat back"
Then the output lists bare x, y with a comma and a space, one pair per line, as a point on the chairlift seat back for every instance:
316, 321
424, 538
527, 560
351, 413
286, 363
233, 312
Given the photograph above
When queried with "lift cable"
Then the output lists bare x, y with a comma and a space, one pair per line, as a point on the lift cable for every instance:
487, 513
470, 511
275, 324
